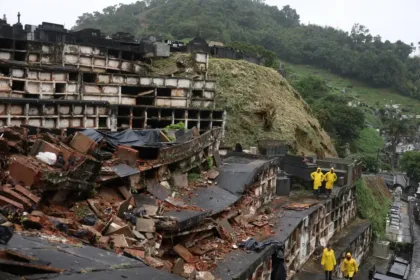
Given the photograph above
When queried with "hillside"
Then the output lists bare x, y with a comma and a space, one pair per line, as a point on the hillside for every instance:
357, 54
373, 96
260, 105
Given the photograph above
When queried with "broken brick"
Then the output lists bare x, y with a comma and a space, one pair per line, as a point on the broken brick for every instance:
104, 240
82, 143
185, 254
4, 201
155, 263
134, 253
127, 155
16, 197
32, 222
24, 171
27, 193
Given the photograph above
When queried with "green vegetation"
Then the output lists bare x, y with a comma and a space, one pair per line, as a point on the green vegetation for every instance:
376, 97
194, 176
369, 142
410, 163
372, 204
356, 54
176, 126
342, 122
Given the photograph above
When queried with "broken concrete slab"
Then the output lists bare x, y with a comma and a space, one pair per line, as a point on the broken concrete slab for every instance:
145, 225
149, 235
205, 275
151, 210
226, 231
119, 241
180, 180
217, 159
123, 208
178, 268
212, 174
82, 143
126, 231
157, 190
127, 155
138, 235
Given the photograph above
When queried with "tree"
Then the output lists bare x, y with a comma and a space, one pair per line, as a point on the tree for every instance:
311, 87
395, 128
410, 163
356, 54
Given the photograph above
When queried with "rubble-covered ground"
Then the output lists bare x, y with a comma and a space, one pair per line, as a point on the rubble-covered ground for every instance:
95, 195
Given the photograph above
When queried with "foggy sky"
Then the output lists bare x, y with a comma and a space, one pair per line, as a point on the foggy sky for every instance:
392, 19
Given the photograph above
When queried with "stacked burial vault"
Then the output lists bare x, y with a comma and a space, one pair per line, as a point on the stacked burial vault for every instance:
55, 78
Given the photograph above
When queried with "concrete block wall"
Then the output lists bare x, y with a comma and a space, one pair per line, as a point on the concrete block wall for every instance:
264, 190
263, 272
54, 113
83, 57
318, 228
137, 117
359, 248
23, 82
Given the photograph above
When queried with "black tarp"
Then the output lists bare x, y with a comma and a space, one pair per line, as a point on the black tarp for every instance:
132, 138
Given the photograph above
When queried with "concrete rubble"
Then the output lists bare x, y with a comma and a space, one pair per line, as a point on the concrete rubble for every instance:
168, 220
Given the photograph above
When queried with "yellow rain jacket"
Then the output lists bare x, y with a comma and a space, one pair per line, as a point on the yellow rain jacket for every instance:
330, 178
328, 260
318, 178
349, 267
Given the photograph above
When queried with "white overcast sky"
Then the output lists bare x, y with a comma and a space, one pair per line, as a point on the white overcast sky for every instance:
392, 19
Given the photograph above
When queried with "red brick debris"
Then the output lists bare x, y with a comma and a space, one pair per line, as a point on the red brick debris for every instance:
77, 200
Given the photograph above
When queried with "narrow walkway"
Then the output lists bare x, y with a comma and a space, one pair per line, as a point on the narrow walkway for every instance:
344, 241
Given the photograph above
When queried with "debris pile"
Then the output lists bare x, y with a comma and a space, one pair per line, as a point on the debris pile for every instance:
90, 188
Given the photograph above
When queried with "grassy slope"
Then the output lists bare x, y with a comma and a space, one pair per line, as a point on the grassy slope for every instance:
246, 91
373, 200
363, 92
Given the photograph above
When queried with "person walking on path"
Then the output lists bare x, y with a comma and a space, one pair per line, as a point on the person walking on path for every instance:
328, 261
349, 267
330, 178
318, 177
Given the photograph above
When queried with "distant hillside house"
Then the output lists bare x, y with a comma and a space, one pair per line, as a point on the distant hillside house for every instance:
215, 43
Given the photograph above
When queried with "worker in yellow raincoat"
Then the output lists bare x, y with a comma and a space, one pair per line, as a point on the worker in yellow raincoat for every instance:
330, 178
349, 267
318, 177
328, 261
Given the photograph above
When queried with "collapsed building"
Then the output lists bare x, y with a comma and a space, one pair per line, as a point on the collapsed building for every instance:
93, 152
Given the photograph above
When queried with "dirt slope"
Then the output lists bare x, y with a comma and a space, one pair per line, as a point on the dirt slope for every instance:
260, 104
